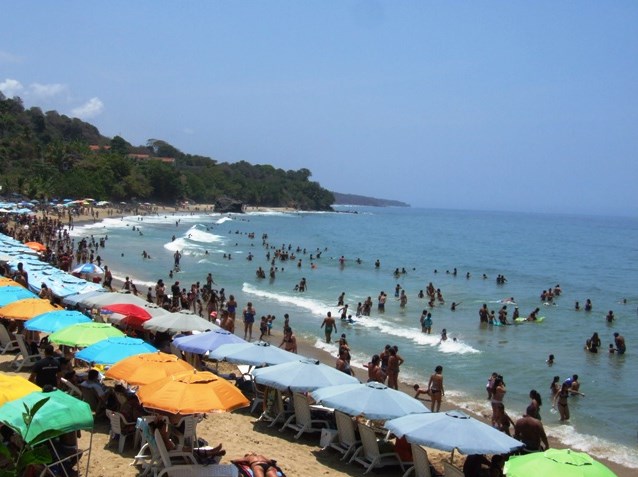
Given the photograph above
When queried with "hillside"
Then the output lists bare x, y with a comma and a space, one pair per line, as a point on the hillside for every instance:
45, 155
352, 199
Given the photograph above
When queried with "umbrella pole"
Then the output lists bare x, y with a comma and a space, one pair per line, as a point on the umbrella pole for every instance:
452, 457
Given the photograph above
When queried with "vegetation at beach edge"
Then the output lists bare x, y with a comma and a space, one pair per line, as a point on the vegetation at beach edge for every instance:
46, 155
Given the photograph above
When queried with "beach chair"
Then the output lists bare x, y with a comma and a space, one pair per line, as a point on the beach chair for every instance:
90, 397
6, 343
369, 454
258, 396
70, 388
303, 421
24, 359
347, 441
193, 469
118, 429
450, 470
189, 436
421, 467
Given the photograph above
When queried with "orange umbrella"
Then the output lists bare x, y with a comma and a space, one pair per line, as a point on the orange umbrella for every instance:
146, 368
192, 392
26, 309
8, 282
37, 246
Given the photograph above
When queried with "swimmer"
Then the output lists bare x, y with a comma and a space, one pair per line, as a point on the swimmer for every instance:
550, 360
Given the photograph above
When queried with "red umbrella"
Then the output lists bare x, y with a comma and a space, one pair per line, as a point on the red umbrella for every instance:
135, 315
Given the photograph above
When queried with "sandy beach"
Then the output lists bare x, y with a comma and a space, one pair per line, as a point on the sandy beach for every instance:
240, 431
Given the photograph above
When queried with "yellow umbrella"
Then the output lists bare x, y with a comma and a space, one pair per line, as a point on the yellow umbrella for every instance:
146, 368
15, 387
191, 393
26, 309
8, 282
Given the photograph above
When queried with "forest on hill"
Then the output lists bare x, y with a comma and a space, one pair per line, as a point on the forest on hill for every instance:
46, 155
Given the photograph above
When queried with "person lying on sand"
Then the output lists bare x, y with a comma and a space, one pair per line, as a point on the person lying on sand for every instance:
260, 465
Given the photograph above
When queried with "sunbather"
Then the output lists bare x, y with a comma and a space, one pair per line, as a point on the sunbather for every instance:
260, 465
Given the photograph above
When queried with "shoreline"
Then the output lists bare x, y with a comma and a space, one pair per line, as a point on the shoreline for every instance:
307, 348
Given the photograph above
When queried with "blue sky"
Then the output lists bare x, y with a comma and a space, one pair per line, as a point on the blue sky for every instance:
501, 105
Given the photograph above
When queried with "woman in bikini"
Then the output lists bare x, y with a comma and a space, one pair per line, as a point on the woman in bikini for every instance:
435, 388
289, 342
561, 399
260, 465
498, 393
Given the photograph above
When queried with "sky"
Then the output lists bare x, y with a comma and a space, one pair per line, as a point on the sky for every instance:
490, 105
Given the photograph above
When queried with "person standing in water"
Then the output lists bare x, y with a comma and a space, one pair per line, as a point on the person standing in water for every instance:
435, 388
330, 325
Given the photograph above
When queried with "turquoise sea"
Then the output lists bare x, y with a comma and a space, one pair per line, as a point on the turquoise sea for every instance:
590, 257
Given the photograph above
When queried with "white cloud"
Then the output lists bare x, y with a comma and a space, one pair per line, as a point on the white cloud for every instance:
47, 90
11, 87
90, 109
189, 131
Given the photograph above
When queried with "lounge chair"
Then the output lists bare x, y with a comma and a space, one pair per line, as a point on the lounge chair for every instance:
303, 421
275, 408
189, 435
70, 388
347, 441
450, 470
24, 359
369, 455
169, 468
119, 429
421, 467
6, 343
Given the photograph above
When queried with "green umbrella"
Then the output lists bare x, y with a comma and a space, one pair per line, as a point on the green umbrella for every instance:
556, 463
84, 334
61, 413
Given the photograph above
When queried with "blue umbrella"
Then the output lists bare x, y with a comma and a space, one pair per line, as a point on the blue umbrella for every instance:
205, 342
372, 400
301, 376
12, 293
254, 354
112, 350
53, 321
452, 430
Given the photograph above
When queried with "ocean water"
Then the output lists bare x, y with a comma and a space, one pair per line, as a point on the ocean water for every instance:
590, 257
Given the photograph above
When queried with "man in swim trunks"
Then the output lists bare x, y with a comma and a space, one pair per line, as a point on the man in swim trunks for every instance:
260, 465
330, 325
620, 343
530, 431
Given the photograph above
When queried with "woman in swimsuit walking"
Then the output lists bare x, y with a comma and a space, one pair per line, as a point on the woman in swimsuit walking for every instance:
561, 398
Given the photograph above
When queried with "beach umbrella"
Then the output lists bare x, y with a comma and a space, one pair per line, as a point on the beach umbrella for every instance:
9, 294
60, 414
89, 269
53, 321
176, 322
371, 400
134, 315
304, 375
192, 392
8, 282
205, 342
14, 387
26, 309
84, 334
37, 246
147, 368
556, 463
112, 350
452, 430
254, 354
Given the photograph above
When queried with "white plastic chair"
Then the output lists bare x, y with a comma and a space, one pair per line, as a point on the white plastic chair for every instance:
24, 359
421, 467
189, 435
303, 421
117, 429
71, 388
347, 441
6, 343
369, 455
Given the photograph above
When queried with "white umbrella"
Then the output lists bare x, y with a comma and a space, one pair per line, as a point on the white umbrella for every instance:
452, 430
176, 322
372, 400
304, 375
255, 354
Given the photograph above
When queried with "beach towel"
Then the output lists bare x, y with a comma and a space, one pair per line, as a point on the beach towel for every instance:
246, 471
